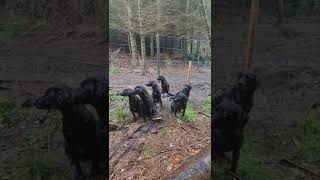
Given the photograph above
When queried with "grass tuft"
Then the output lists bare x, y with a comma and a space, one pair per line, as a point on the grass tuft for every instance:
8, 112
113, 70
207, 105
190, 115
309, 147
37, 166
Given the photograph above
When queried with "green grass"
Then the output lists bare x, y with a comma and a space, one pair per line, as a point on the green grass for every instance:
251, 164
190, 115
309, 147
9, 27
121, 112
120, 115
207, 105
37, 166
8, 112
113, 70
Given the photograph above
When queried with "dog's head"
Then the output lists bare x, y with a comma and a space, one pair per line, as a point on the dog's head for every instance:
180, 97
127, 92
90, 89
55, 98
187, 87
151, 83
248, 82
140, 90
161, 78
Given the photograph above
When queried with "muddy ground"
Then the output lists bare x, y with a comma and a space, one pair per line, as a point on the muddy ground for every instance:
37, 59
287, 63
134, 154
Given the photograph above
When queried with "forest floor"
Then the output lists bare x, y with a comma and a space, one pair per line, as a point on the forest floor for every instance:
134, 154
282, 137
30, 62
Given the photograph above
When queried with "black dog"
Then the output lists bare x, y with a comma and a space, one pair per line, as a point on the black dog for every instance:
186, 91
148, 106
81, 128
93, 90
179, 102
242, 93
229, 121
155, 92
164, 85
134, 101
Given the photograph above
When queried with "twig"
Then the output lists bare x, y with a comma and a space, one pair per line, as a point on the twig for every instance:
184, 128
194, 127
157, 118
120, 156
113, 126
199, 112
299, 167
234, 175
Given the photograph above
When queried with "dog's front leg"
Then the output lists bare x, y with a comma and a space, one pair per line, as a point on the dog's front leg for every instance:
235, 159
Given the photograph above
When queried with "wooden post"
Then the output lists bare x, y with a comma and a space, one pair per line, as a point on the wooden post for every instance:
252, 34
158, 53
189, 72
198, 54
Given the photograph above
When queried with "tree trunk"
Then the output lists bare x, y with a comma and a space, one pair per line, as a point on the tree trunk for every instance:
143, 43
133, 41
207, 21
158, 16
151, 46
281, 10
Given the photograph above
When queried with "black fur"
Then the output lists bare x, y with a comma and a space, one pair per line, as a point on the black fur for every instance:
134, 101
179, 102
242, 93
93, 90
84, 139
229, 121
186, 91
156, 94
164, 85
148, 106
231, 113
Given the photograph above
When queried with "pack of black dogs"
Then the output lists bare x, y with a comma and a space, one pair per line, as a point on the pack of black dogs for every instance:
144, 104
230, 115
84, 122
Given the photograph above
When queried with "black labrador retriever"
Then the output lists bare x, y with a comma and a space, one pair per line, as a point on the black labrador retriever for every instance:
93, 90
148, 106
81, 129
134, 101
242, 93
179, 102
164, 85
156, 94
229, 121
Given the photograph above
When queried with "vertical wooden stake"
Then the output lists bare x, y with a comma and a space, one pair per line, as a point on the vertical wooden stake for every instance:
252, 34
189, 72
158, 53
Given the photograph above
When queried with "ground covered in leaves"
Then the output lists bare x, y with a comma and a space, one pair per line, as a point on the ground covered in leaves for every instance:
134, 154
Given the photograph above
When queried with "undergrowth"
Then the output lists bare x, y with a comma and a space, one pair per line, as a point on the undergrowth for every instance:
309, 146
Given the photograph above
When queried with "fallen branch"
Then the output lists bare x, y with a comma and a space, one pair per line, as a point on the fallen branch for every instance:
157, 119
115, 162
184, 128
199, 112
194, 127
299, 167
233, 175
113, 126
